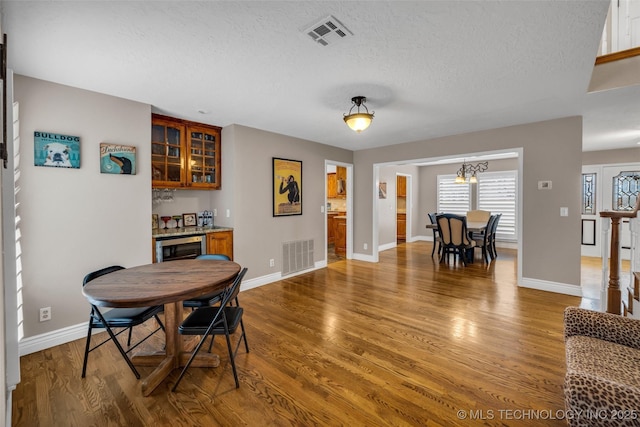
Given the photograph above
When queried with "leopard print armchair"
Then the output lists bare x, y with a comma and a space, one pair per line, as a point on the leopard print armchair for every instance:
602, 383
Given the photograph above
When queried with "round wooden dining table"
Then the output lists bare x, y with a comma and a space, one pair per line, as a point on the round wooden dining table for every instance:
169, 283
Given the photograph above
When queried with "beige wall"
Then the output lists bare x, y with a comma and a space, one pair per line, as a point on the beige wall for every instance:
627, 155
258, 236
73, 221
551, 151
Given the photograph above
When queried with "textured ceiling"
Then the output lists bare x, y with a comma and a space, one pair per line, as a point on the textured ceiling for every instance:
428, 68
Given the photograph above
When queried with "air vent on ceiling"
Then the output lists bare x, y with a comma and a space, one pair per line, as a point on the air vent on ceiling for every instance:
327, 31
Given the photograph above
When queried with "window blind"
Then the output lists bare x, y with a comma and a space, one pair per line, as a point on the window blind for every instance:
497, 194
453, 198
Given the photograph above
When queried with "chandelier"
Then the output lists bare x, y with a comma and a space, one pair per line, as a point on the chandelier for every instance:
358, 121
469, 172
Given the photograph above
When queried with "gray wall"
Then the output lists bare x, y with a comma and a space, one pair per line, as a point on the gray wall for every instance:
627, 155
73, 221
258, 236
552, 150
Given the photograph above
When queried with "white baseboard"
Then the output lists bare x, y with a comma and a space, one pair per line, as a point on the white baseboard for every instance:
363, 257
387, 246
559, 288
52, 339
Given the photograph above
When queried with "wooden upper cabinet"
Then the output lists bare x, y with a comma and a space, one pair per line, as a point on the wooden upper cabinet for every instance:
341, 182
167, 153
184, 154
401, 186
331, 186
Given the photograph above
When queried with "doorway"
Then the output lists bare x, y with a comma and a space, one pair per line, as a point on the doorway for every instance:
338, 187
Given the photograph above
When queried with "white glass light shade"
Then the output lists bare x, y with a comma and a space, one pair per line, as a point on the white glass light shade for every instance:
473, 179
358, 121
460, 180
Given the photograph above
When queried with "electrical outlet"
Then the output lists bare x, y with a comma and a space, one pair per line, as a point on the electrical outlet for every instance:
45, 314
228, 213
272, 262
215, 212
365, 246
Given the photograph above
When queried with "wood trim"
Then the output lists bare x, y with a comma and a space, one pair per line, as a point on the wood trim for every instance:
617, 56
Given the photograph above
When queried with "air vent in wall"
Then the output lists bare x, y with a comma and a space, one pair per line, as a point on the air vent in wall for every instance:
327, 31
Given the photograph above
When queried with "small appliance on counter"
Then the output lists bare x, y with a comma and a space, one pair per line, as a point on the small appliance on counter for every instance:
205, 219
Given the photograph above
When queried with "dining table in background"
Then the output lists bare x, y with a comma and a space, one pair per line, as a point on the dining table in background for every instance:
168, 283
472, 227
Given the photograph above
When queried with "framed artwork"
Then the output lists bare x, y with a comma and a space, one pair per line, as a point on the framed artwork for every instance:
154, 221
189, 220
117, 158
382, 190
287, 187
55, 150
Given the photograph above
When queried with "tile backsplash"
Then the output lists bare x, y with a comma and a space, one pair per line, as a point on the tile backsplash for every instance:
338, 204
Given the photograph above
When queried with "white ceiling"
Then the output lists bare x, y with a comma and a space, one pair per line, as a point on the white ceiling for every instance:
428, 68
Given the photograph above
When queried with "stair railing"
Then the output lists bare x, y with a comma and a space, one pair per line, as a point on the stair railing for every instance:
610, 291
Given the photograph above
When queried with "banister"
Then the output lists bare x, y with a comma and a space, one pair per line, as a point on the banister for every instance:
614, 295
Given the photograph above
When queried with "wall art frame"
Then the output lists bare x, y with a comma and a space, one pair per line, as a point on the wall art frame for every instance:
287, 187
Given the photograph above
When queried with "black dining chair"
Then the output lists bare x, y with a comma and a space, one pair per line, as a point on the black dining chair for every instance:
483, 240
436, 235
124, 318
455, 237
212, 298
492, 240
217, 320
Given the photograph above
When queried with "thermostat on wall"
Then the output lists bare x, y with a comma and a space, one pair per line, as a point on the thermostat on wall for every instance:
544, 185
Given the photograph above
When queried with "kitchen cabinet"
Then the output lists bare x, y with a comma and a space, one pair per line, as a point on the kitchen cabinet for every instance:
220, 242
340, 235
341, 182
401, 226
184, 154
332, 186
331, 226
401, 184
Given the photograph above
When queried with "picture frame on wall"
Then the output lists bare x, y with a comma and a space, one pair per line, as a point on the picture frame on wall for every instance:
382, 190
155, 223
56, 150
287, 187
117, 159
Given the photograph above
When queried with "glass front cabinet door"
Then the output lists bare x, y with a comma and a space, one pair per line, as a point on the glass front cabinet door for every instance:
204, 157
167, 148
184, 154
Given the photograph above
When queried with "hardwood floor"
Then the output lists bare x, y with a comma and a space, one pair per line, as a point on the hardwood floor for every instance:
406, 342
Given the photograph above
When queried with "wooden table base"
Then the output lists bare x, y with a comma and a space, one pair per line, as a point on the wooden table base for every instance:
175, 355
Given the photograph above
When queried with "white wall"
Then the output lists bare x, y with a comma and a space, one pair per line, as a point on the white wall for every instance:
74, 221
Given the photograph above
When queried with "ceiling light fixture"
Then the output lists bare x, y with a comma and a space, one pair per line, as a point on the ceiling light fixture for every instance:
471, 171
358, 121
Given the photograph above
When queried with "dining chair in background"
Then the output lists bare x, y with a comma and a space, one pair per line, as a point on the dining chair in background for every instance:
493, 231
217, 320
212, 298
483, 240
436, 235
125, 318
455, 239
478, 215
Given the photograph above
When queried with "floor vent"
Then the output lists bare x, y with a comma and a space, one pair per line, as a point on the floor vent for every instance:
297, 256
327, 31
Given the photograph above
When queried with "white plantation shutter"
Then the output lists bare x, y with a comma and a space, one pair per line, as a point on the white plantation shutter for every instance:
497, 194
453, 198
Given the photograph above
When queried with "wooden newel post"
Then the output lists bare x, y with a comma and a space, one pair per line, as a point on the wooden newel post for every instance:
614, 295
